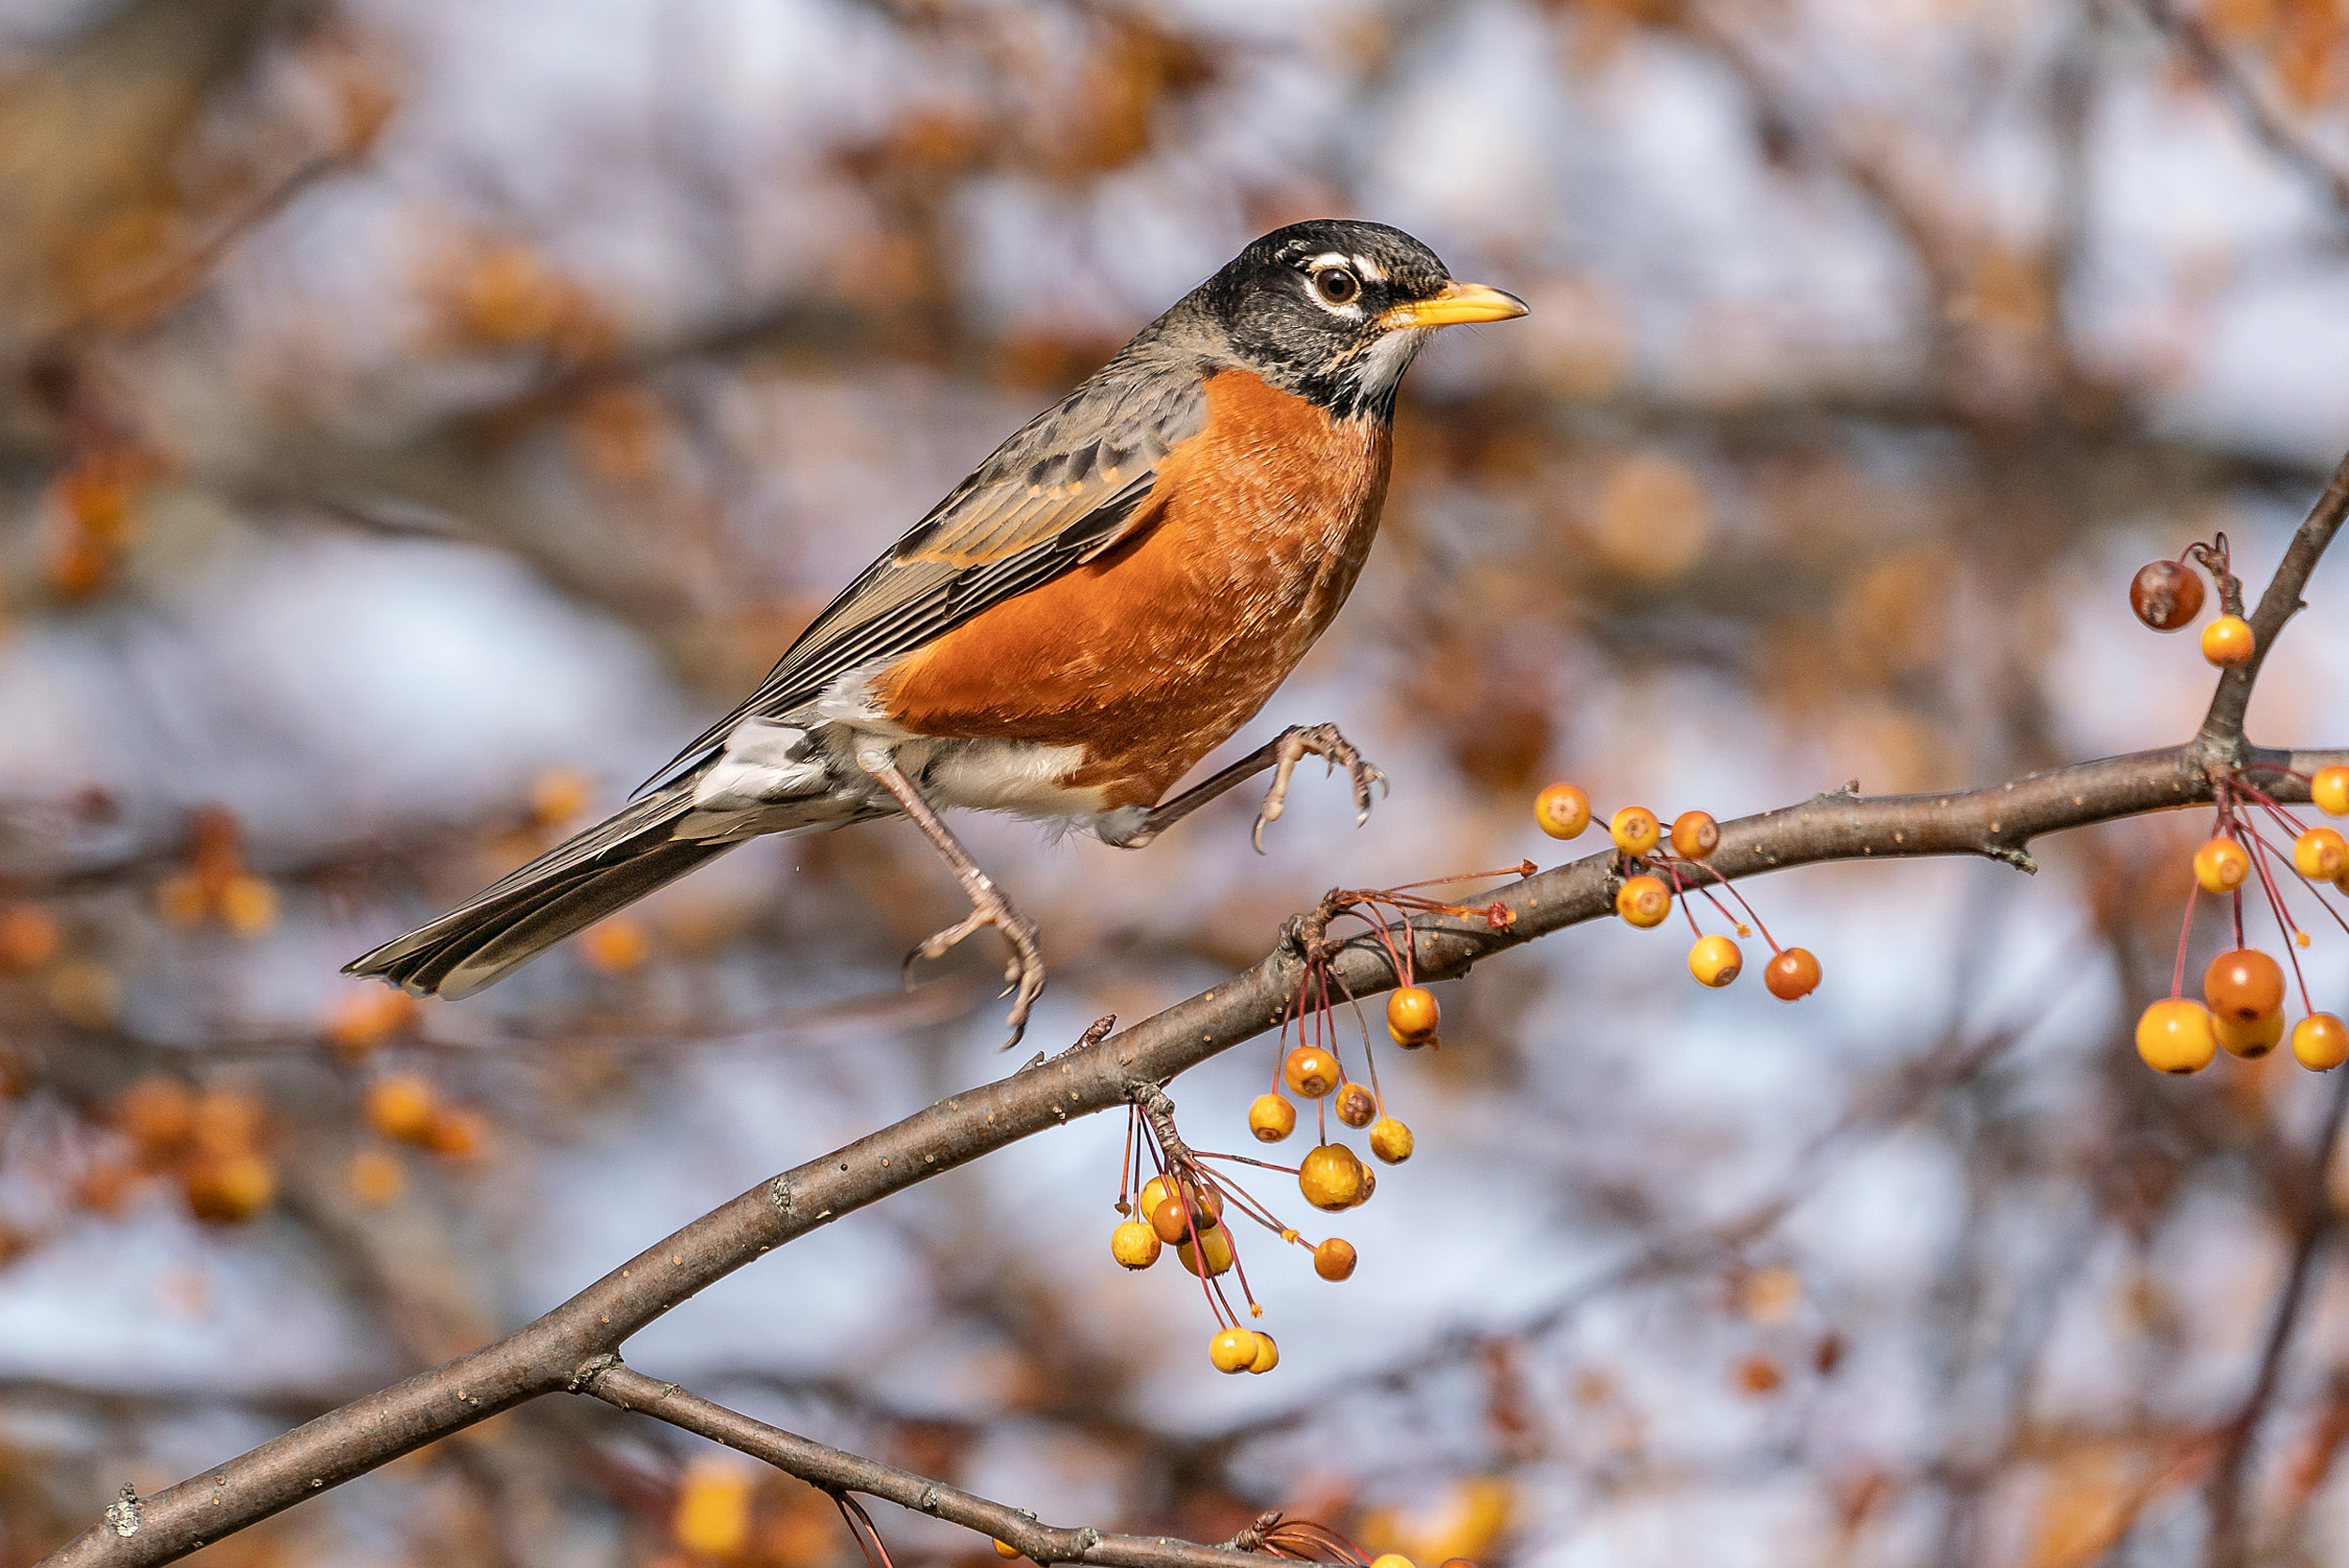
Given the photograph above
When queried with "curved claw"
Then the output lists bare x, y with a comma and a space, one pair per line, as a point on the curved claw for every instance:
1023, 976
1324, 741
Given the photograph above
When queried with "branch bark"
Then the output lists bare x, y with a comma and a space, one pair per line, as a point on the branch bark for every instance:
574, 1348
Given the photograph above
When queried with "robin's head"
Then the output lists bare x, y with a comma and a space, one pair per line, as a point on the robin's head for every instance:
1335, 310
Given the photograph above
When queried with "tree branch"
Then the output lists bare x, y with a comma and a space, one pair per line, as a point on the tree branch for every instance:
574, 1347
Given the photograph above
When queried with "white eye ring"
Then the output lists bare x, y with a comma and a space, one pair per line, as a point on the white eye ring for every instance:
1337, 286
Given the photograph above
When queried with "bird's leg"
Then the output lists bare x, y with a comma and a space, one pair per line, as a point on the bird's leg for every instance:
1025, 975
1281, 754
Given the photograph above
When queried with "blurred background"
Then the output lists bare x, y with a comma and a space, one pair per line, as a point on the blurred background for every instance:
417, 416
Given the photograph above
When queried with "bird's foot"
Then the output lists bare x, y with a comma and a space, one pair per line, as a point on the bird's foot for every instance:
1324, 741
1023, 976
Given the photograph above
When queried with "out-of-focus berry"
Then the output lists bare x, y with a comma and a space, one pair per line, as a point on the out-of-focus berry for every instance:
1695, 835
2166, 595
1334, 1259
456, 1132
2222, 865
1635, 829
1355, 1105
365, 1017
559, 794
248, 905
1134, 1245
156, 1114
1391, 1559
84, 993
1391, 1140
2329, 790
400, 1108
2245, 984
1716, 961
223, 1122
377, 1177
2320, 854
2176, 1036
2321, 1042
712, 1517
2228, 642
1330, 1177
1310, 1072
1412, 1015
615, 946
1562, 811
1643, 901
1272, 1118
230, 1188
29, 937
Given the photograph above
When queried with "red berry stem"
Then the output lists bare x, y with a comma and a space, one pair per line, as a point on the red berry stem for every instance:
1731, 888
2283, 923
2186, 929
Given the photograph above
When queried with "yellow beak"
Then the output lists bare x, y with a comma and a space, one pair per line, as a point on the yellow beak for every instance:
1455, 303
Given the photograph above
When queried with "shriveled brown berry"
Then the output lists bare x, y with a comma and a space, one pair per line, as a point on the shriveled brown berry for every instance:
2245, 984
2166, 595
1333, 1259
1355, 1105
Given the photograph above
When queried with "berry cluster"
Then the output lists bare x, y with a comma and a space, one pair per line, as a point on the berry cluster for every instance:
2243, 989
1655, 866
2167, 595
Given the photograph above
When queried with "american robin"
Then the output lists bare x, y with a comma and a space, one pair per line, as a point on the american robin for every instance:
1112, 594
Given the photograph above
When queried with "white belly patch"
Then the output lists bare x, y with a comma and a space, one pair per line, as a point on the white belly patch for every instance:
759, 763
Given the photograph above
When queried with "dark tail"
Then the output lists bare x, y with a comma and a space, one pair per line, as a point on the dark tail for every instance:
524, 913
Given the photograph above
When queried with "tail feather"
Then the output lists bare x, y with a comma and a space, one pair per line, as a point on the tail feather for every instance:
528, 910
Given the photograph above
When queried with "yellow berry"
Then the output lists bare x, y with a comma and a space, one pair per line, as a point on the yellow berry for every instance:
2320, 854
2176, 1036
2252, 1040
2228, 642
1635, 829
1272, 1118
1643, 901
1334, 1259
1154, 1192
2329, 790
2320, 1041
1412, 1015
1310, 1071
1355, 1105
1330, 1177
1562, 811
1268, 1354
1006, 1550
400, 1108
2222, 865
1695, 835
1215, 1245
231, 1188
1391, 1140
1134, 1245
1391, 1559
1715, 961
1233, 1350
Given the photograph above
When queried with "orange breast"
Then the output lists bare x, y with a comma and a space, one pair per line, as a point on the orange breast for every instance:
1153, 654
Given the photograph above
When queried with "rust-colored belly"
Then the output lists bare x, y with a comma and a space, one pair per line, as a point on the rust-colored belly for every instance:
1153, 654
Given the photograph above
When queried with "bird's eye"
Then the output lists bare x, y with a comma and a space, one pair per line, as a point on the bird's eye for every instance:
1336, 286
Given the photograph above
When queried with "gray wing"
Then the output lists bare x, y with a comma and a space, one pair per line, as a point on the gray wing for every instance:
1066, 487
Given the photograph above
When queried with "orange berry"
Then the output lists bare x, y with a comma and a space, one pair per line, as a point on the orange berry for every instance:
2228, 642
1006, 1550
2249, 1041
1330, 1177
2320, 1041
1716, 961
1134, 1245
2245, 984
1268, 1354
456, 1132
230, 1188
1643, 901
615, 946
1635, 829
2320, 854
2329, 790
1695, 835
1272, 1118
2222, 865
1233, 1350
1562, 811
361, 1017
1310, 1072
247, 904
1412, 1015
377, 1177
2166, 595
1792, 975
1355, 1105
1391, 1140
1170, 1222
1218, 1244
2176, 1036
1334, 1259
223, 1123
400, 1108
29, 937
156, 1114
